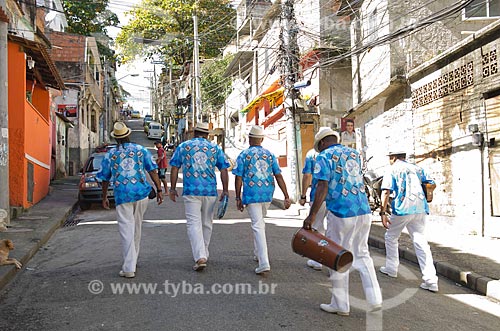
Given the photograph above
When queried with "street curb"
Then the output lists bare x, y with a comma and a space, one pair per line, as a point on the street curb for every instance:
39, 237
481, 284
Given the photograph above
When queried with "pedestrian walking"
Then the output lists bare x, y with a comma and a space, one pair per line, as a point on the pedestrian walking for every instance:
126, 166
198, 158
338, 172
409, 210
161, 161
309, 181
256, 169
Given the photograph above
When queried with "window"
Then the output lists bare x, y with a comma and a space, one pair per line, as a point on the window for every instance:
482, 9
372, 29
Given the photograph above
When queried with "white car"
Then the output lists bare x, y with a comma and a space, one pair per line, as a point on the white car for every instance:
155, 130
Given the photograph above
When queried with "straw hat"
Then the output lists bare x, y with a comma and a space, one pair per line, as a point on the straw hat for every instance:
120, 130
256, 132
202, 127
323, 133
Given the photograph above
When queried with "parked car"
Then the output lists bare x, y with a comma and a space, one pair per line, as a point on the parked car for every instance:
90, 188
155, 130
147, 119
136, 114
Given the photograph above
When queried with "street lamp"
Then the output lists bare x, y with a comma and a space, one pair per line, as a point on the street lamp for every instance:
133, 75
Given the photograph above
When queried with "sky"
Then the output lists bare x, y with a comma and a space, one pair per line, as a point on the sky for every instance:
138, 86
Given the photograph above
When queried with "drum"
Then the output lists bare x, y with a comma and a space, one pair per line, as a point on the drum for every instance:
315, 246
429, 188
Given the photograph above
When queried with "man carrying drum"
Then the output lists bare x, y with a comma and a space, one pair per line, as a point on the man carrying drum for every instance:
338, 172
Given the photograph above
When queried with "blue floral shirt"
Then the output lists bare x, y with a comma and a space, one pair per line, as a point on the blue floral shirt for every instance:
257, 167
198, 158
341, 167
126, 166
309, 169
405, 181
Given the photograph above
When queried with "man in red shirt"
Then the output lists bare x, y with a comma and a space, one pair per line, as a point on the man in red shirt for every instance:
162, 163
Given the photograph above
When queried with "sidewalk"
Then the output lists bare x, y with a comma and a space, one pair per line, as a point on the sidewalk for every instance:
469, 260
33, 228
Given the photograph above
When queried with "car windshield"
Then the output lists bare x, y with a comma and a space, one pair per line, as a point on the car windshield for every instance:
155, 127
95, 163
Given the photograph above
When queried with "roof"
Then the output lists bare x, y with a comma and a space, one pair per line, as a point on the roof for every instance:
65, 120
45, 70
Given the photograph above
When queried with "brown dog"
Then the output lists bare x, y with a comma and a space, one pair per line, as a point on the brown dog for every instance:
6, 246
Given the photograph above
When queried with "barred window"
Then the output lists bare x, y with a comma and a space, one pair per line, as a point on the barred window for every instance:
482, 9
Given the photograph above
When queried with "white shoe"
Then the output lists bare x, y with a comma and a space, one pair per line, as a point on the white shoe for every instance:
387, 273
315, 265
329, 309
261, 270
375, 307
430, 287
255, 258
200, 265
125, 274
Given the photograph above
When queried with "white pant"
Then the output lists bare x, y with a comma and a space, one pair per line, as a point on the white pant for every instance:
199, 216
129, 216
416, 228
257, 211
319, 225
319, 222
352, 234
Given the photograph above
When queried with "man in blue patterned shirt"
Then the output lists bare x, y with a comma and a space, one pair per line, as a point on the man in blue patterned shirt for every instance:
409, 209
338, 171
308, 180
255, 170
198, 158
126, 166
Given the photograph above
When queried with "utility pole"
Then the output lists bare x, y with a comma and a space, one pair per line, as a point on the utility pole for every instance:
4, 118
106, 103
197, 78
291, 67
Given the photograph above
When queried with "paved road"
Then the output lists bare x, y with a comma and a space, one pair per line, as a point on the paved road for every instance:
72, 284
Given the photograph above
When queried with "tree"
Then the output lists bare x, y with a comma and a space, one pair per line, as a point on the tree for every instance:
165, 28
214, 87
90, 18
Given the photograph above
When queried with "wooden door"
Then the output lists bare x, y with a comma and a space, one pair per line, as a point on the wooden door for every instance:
307, 139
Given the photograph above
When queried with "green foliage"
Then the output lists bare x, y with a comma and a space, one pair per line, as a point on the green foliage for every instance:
90, 18
214, 87
164, 28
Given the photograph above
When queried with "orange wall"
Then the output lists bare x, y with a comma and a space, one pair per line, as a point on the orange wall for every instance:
37, 134
28, 133
40, 100
17, 97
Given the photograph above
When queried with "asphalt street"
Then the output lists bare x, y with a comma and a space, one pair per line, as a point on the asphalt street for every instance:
72, 283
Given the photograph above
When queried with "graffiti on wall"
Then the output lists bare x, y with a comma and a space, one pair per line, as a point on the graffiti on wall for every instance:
4, 154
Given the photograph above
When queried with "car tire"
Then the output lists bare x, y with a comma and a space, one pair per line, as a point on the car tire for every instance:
84, 205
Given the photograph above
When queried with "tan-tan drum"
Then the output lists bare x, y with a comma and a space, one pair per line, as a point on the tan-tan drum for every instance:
317, 247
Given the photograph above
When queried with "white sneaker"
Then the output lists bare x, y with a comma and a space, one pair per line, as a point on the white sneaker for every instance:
261, 270
430, 287
255, 258
315, 265
329, 309
125, 274
387, 273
